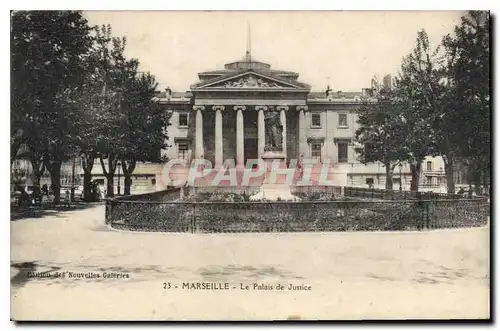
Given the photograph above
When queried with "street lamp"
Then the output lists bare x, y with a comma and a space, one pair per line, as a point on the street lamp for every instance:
72, 196
119, 166
400, 178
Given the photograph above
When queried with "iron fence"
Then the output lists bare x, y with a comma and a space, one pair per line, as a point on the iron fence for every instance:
296, 216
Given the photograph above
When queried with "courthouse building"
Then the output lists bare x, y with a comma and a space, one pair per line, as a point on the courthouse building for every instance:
225, 116
250, 110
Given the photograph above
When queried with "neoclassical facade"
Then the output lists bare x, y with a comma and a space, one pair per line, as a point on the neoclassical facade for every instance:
249, 110
226, 115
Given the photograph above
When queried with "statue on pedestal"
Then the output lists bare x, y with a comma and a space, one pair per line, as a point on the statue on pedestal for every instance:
274, 130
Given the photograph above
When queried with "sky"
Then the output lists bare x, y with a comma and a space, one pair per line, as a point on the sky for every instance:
341, 48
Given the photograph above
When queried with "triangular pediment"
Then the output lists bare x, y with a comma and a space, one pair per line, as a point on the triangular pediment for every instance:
250, 80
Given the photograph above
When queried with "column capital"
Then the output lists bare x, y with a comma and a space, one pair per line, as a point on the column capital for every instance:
199, 108
301, 108
259, 108
221, 108
239, 108
282, 108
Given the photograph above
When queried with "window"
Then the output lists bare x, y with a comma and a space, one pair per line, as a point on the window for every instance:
369, 181
343, 120
183, 119
316, 150
153, 181
342, 152
429, 180
183, 151
316, 120
396, 180
429, 165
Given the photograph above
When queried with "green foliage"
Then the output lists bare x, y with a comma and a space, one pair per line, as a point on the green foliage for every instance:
74, 92
380, 133
436, 92
48, 49
467, 72
217, 197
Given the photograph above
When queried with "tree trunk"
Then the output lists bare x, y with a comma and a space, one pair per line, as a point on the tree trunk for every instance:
15, 145
388, 177
449, 171
55, 180
36, 178
109, 174
415, 175
127, 175
110, 186
87, 164
38, 167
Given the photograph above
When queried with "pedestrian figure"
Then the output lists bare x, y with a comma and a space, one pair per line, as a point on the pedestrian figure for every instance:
67, 198
300, 166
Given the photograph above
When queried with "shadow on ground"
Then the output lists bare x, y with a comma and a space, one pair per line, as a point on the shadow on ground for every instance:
17, 213
246, 271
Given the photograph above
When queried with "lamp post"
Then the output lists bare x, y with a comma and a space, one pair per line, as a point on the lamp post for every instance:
119, 96
72, 196
119, 166
400, 178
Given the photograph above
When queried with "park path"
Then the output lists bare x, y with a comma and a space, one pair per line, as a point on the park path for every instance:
436, 274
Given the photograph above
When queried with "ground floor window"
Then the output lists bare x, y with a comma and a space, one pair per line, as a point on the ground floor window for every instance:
183, 151
342, 152
316, 150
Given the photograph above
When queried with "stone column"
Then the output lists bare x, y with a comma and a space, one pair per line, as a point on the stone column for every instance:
240, 141
302, 147
261, 125
218, 135
283, 110
199, 150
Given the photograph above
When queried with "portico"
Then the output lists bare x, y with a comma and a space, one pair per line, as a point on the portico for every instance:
245, 125
246, 111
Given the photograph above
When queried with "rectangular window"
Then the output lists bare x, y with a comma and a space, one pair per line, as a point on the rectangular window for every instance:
316, 120
316, 150
183, 119
343, 120
183, 149
429, 180
429, 165
342, 152
369, 181
153, 181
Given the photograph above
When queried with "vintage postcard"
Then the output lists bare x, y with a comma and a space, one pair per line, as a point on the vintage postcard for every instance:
245, 165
